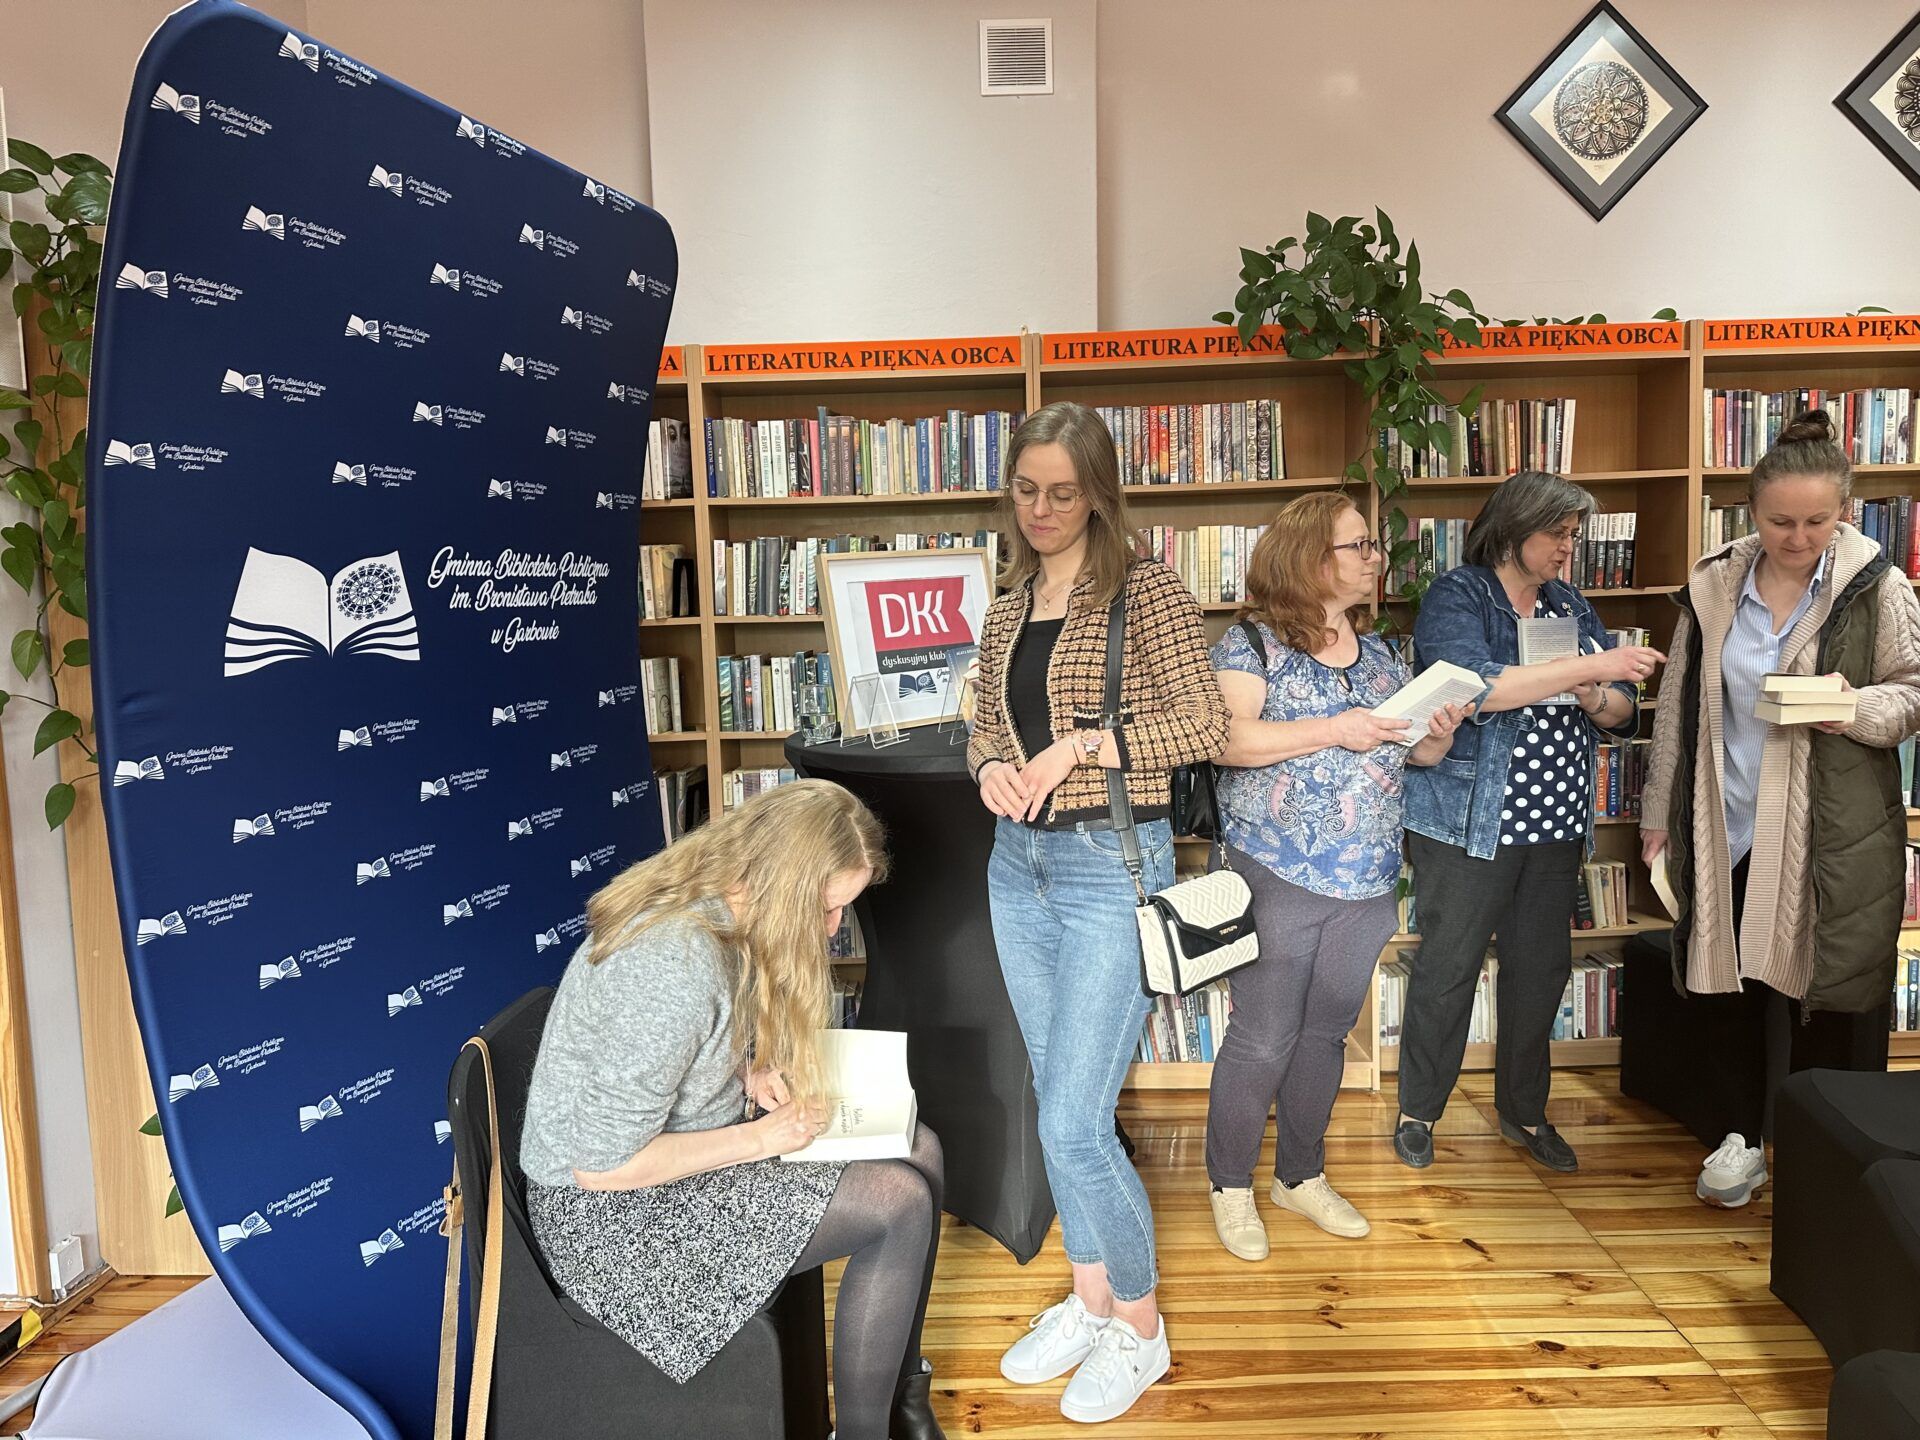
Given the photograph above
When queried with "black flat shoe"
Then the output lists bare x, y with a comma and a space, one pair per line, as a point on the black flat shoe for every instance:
1544, 1144
1413, 1143
912, 1415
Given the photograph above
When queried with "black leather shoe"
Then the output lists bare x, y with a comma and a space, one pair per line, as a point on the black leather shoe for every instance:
1544, 1144
1413, 1143
912, 1415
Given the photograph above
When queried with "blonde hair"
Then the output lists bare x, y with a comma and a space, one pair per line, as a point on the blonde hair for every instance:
778, 852
1286, 577
1111, 538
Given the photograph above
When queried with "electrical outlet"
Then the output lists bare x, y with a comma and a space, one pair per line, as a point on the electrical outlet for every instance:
69, 1264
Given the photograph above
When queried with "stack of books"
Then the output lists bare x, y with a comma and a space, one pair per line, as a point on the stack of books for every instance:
666, 582
1188, 1028
1600, 899
826, 454
660, 692
1211, 559
1874, 427
1220, 443
1499, 437
683, 799
1804, 700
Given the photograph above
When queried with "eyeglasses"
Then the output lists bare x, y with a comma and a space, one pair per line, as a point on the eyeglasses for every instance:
1059, 497
1564, 537
1366, 549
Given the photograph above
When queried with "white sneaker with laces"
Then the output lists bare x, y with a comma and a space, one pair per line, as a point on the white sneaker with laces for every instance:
1057, 1339
1732, 1174
1237, 1223
1120, 1368
1323, 1205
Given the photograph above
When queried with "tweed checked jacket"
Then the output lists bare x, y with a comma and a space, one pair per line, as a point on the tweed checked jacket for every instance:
1172, 711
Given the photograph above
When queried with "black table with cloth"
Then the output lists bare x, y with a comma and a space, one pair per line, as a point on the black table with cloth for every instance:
933, 972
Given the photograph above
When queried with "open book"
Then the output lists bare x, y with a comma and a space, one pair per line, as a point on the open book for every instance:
871, 1107
1439, 685
284, 609
1549, 637
254, 1224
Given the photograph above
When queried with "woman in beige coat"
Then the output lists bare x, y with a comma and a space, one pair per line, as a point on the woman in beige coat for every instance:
1785, 844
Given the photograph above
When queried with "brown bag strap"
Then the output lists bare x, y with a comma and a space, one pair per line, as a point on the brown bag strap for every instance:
487, 1302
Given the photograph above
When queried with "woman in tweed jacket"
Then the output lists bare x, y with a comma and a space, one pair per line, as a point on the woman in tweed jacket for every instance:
1062, 900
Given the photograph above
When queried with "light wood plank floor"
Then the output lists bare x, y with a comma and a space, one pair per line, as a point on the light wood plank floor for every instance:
1493, 1299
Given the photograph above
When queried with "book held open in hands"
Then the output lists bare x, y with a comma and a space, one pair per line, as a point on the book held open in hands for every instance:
871, 1107
1804, 700
1439, 685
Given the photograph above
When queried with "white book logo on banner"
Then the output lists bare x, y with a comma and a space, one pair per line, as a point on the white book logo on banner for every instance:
516, 363
258, 219
234, 383
530, 236
595, 192
602, 500
284, 609
471, 130
635, 280
606, 699
459, 910
546, 940
128, 771
312, 1115
582, 866
500, 490
171, 923
406, 998
504, 714
570, 316
254, 1224
287, 969
244, 829
363, 329
449, 278
561, 761
361, 737
305, 51
182, 1085
372, 870
432, 414
389, 180
434, 789
132, 277
119, 452
556, 437
345, 474
616, 391
442, 1131
168, 98
372, 1250
517, 828
619, 798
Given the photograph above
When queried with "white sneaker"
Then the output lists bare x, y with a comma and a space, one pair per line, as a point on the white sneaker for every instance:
1323, 1205
1057, 1339
1237, 1223
1730, 1175
1121, 1366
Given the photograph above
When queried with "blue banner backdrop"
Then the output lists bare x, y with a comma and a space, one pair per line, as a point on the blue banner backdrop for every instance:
371, 393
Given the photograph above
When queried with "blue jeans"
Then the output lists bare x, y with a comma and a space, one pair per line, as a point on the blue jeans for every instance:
1070, 950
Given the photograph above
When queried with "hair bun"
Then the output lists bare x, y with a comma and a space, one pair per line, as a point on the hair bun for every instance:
1815, 425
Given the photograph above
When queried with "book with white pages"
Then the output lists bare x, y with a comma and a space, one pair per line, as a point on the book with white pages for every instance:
1789, 689
1550, 637
1837, 707
1439, 685
871, 1107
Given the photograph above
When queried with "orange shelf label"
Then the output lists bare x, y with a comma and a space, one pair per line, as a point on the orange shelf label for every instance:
1650, 337
1124, 347
873, 357
670, 365
1812, 331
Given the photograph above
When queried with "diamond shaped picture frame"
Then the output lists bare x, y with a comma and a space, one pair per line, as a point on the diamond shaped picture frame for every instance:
1884, 100
1601, 110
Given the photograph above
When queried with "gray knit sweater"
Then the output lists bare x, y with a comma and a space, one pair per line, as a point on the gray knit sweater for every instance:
638, 1044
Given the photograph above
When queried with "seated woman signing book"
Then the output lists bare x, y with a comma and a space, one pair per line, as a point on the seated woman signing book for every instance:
661, 1209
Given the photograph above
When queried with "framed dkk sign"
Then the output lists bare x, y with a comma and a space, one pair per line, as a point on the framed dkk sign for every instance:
895, 615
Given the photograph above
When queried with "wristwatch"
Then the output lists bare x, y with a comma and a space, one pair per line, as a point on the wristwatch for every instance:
1089, 742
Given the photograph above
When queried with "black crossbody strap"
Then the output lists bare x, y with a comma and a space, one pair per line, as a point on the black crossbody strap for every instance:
1119, 804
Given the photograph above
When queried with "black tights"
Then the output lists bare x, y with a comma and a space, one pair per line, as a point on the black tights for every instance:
885, 1218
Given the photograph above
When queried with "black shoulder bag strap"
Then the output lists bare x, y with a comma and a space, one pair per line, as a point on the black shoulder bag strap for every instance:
1119, 804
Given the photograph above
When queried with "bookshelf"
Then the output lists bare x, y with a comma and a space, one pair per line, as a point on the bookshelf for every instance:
1638, 445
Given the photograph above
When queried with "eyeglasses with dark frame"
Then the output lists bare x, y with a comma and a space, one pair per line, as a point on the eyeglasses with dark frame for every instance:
1366, 548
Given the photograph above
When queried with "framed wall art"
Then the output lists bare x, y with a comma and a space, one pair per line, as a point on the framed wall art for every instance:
897, 615
1884, 100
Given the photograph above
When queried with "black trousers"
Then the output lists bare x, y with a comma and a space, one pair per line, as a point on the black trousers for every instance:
1525, 895
1752, 1039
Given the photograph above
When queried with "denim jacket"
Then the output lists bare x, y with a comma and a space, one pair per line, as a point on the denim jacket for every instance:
1466, 618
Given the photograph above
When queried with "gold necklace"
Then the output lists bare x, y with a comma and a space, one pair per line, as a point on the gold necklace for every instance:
1045, 598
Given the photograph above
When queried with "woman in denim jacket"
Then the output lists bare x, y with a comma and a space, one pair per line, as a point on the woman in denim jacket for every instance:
1497, 830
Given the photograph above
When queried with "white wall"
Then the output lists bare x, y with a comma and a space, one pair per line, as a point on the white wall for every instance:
832, 172
1225, 128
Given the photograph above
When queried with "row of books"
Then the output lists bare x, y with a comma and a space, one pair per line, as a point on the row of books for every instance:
762, 692
1600, 898
1589, 1007
826, 454
1186, 1028
1888, 522
660, 692
1223, 442
780, 574
1620, 774
1211, 559
1910, 772
1874, 427
739, 786
668, 471
1499, 437
1904, 1017
1602, 559
683, 799
666, 582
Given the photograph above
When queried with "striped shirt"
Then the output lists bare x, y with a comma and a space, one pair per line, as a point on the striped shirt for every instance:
1750, 654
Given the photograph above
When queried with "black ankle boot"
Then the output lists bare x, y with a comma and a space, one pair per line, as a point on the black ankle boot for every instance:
912, 1415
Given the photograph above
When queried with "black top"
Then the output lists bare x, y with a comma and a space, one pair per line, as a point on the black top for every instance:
1031, 713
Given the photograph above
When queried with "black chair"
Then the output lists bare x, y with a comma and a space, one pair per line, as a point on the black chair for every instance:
1876, 1396
557, 1370
1830, 1128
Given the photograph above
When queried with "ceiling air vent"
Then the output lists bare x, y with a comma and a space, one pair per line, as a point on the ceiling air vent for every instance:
1016, 57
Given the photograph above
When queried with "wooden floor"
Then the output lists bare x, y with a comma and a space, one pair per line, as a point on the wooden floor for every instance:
1493, 1299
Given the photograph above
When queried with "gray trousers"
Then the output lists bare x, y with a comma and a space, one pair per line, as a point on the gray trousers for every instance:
1525, 893
1287, 1039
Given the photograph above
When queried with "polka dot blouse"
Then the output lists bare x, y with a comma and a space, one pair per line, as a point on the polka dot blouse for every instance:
1547, 792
